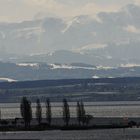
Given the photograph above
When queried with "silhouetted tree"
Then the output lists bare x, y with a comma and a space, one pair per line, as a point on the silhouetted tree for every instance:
83, 113
26, 111
66, 112
0, 114
78, 112
38, 111
48, 111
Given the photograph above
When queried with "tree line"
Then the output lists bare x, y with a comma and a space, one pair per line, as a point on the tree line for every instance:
26, 112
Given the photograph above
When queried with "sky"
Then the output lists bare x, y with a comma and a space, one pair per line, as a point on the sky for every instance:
21, 10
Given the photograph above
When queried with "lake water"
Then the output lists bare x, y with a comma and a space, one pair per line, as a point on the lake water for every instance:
110, 134
97, 109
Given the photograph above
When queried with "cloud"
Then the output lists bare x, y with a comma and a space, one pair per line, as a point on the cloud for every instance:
79, 7
137, 2
18, 10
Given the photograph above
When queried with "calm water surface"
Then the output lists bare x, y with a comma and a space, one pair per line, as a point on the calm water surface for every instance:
97, 109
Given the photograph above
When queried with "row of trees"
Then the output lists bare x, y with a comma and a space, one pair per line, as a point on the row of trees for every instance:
39, 111
26, 112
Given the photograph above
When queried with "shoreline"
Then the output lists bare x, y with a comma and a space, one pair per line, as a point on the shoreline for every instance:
58, 124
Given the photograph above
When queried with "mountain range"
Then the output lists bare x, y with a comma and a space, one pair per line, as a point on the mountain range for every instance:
112, 39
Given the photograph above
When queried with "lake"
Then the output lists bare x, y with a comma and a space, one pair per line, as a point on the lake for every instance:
97, 109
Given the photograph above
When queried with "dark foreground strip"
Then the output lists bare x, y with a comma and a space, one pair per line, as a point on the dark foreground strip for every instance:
19, 139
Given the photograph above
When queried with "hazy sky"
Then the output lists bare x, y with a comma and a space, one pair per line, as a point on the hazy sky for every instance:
19, 10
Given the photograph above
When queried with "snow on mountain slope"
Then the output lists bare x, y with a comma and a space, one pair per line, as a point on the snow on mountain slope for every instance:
39, 71
7, 80
66, 66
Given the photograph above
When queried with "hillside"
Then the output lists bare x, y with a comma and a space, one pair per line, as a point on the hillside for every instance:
115, 89
45, 71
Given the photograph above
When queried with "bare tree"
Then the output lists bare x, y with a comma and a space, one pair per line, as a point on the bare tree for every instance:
48, 112
26, 111
38, 111
66, 112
